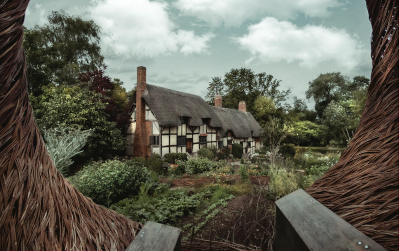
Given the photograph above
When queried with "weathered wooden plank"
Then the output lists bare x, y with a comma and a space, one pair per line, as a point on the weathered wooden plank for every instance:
302, 223
156, 237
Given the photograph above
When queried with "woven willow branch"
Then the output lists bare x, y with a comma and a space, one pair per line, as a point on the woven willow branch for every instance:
39, 209
363, 187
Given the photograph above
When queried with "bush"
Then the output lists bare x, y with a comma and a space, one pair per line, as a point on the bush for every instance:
110, 181
172, 157
287, 150
282, 182
139, 161
62, 144
205, 153
243, 173
196, 165
223, 153
237, 150
154, 163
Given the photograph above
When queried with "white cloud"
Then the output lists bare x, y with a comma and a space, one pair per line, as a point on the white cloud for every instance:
235, 12
274, 41
143, 28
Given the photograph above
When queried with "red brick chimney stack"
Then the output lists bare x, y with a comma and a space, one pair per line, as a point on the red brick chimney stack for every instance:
242, 106
140, 137
218, 100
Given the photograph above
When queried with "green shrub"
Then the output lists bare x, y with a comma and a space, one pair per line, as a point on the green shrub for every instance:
223, 153
110, 181
197, 165
172, 157
242, 161
287, 150
165, 208
282, 182
205, 153
237, 150
155, 163
243, 173
139, 161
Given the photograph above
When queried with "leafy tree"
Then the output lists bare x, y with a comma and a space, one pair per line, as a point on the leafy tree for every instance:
307, 133
264, 108
333, 87
274, 133
324, 89
60, 50
244, 85
78, 107
339, 118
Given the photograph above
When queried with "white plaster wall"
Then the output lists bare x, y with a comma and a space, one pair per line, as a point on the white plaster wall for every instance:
173, 149
132, 128
156, 150
173, 129
155, 128
165, 140
195, 148
173, 139
184, 129
165, 150
189, 136
196, 138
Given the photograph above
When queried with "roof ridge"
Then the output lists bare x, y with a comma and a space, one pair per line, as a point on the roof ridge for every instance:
177, 92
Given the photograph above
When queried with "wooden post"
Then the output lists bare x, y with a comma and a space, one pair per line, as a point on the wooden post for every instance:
156, 237
302, 223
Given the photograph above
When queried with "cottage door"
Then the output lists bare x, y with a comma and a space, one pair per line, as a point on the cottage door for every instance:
189, 146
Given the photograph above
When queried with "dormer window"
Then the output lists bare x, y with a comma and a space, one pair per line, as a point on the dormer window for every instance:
183, 120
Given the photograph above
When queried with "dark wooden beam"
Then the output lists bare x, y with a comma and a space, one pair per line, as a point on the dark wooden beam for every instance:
302, 223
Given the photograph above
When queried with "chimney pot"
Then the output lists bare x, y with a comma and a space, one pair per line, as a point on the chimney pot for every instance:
242, 106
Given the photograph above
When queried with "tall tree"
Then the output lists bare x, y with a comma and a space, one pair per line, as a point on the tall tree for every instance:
333, 87
244, 85
60, 50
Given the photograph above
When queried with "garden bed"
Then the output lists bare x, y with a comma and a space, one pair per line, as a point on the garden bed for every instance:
195, 181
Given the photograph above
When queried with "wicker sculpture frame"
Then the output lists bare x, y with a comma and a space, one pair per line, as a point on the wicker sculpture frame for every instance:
363, 187
39, 209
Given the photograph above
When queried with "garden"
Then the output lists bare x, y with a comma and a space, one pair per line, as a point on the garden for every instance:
213, 195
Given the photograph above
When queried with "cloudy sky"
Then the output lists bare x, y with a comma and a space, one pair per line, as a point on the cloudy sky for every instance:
184, 43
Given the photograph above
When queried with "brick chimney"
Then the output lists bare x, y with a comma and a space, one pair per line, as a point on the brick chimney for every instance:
242, 106
141, 139
218, 100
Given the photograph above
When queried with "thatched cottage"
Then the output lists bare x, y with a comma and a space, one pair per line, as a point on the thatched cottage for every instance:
167, 121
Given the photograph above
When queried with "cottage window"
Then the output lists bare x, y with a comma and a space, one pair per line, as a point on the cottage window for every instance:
229, 142
154, 140
220, 144
181, 141
183, 120
202, 139
249, 144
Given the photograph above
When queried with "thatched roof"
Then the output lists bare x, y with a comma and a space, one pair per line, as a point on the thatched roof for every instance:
242, 124
169, 105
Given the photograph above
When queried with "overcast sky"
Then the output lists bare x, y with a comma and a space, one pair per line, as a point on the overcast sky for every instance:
184, 43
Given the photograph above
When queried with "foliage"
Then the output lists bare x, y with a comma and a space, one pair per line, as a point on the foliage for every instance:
332, 87
197, 165
154, 163
62, 144
205, 153
165, 208
58, 51
113, 95
223, 153
274, 133
140, 161
282, 182
264, 108
338, 116
237, 150
172, 157
307, 133
79, 108
287, 150
110, 181
244, 85
243, 173
315, 163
